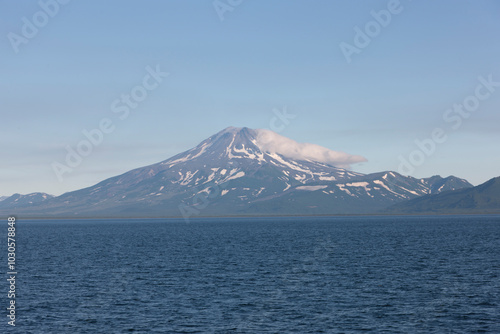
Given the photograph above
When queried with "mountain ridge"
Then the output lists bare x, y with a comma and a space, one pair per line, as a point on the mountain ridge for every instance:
19, 200
484, 198
240, 171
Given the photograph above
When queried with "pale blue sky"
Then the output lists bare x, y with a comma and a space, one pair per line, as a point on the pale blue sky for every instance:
264, 55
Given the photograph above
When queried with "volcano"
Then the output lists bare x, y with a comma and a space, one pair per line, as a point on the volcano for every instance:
242, 171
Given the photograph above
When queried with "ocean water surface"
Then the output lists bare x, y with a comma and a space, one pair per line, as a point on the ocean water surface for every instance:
259, 275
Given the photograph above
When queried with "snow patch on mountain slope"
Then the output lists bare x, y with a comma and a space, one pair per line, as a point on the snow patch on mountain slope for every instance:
248, 154
310, 188
300, 178
228, 149
410, 191
210, 177
235, 176
260, 190
358, 184
288, 164
342, 187
177, 161
202, 150
185, 179
361, 185
382, 184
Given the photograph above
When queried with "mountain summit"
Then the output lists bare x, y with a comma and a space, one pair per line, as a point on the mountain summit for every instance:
245, 143
241, 171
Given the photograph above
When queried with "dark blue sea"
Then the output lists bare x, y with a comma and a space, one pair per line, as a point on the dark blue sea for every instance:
257, 275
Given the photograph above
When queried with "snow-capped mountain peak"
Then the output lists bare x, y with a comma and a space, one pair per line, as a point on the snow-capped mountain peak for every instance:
236, 143
245, 171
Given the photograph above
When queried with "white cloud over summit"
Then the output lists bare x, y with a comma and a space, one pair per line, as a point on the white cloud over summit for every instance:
269, 141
